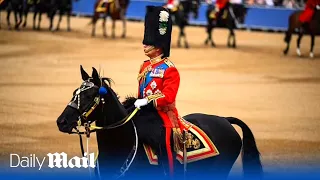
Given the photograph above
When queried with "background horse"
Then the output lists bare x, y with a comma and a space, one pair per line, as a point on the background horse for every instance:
40, 7
27, 6
313, 28
181, 17
116, 9
64, 7
17, 7
96, 101
232, 16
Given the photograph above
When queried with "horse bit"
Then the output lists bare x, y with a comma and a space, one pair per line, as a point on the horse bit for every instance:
83, 117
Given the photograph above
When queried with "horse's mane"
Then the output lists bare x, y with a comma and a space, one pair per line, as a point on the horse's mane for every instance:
129, 101
108, 80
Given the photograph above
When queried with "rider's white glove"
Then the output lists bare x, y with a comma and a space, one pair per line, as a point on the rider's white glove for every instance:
217, 9
141, 102
318, 7
170, 6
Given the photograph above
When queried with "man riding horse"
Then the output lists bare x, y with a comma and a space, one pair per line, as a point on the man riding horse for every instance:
307, 14
220, 6
158, 77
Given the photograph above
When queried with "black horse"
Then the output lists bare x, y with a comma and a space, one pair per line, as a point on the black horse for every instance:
27, 6
95, 101
231, 17
15, 6
39, 7
180, 17
63, 7
312, 28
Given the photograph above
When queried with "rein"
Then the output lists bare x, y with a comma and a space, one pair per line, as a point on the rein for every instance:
92, 128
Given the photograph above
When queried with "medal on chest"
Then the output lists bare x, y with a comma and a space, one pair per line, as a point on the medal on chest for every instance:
157, 72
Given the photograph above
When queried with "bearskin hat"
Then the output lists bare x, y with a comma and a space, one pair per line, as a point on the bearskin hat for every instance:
158, 28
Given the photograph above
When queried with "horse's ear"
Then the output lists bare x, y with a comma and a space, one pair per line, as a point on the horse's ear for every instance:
84, 75
96, 77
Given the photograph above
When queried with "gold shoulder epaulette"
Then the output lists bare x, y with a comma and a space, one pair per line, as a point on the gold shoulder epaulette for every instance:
169, 63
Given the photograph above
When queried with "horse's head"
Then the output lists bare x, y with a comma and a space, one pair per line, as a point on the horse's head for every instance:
93, 100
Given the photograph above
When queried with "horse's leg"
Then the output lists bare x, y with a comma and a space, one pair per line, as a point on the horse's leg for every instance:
312, 45
68, 21
59, 21
234, 44
51, 15
298, 43
25, 13
186, 44
104, 29
287, 39
35, 18
94, 21
113, 28
124, 24
8, 19
16, 26
39, 20
179, 37
20, 17
229, 39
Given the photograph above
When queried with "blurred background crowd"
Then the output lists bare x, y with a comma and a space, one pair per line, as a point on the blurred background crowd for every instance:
271, 3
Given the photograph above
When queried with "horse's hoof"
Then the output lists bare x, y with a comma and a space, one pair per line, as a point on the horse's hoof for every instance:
298, 52
24, 25
69, 29
234, 46
285, 52
123, 36
113, 36
186, 46
311, 55
206, 42
213, 44
105, 36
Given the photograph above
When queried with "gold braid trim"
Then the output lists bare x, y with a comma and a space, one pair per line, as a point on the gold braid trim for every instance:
154, 97
144, 73
168, 62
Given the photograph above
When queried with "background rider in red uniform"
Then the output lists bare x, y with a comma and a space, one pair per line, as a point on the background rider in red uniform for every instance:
307, 14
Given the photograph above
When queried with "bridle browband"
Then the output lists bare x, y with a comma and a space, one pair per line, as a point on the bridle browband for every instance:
83, 120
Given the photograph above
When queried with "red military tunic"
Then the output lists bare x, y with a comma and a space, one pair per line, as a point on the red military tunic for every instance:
159, 82
170, 2
221, 3
308, 12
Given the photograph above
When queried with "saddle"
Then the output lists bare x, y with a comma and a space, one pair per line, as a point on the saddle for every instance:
104, 6
198, 145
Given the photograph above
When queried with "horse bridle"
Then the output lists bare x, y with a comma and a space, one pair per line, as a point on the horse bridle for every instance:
83, 121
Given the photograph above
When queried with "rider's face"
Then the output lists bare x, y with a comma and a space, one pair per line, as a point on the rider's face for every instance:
151, 51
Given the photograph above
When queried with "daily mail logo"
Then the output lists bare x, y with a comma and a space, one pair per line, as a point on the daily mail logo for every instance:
55, 160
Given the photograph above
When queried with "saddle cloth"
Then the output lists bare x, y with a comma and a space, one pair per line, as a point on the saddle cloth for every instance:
199, 146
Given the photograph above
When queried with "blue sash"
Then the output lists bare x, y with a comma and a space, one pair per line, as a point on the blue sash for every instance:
148, 79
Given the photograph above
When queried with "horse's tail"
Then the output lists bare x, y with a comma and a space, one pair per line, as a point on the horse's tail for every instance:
252, 166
